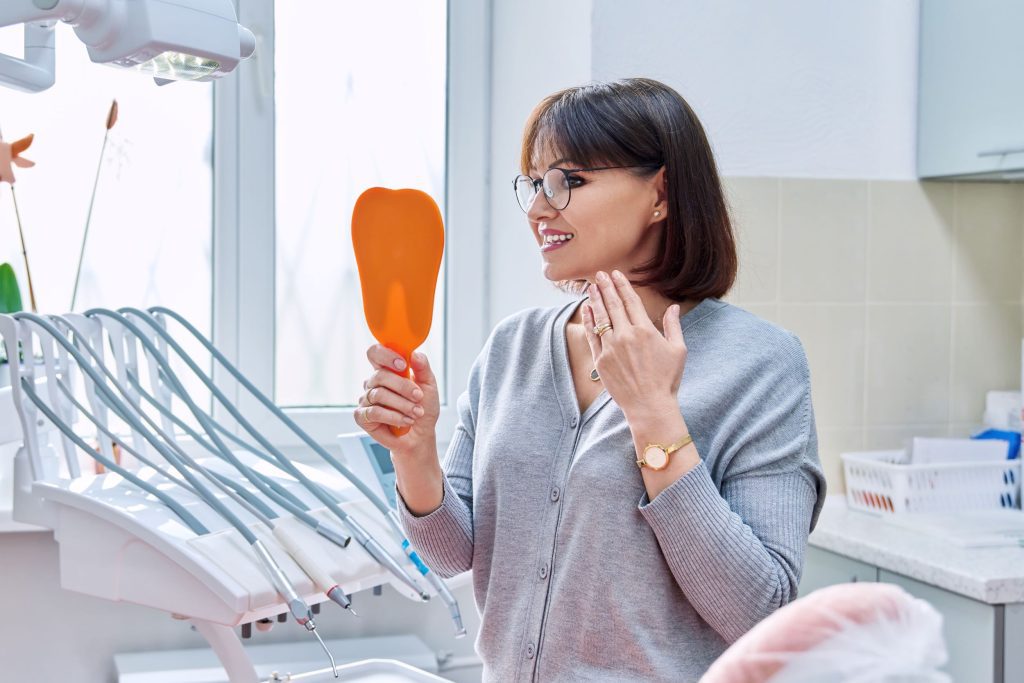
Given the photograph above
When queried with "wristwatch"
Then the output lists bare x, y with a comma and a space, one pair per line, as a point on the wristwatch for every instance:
655, 455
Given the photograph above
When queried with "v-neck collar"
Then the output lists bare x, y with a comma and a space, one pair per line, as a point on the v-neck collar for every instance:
562, 373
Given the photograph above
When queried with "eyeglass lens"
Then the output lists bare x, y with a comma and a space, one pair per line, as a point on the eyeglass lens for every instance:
555, 186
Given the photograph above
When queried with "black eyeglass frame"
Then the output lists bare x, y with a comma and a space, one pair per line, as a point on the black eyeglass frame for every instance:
539, 182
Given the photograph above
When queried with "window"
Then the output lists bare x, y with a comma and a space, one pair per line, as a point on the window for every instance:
355, 107
149, 239
283, 211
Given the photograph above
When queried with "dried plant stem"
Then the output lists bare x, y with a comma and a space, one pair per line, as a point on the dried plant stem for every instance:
24, 253
88, 218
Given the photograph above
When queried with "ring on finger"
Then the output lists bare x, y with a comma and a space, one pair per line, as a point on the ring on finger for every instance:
602, 328
369, 396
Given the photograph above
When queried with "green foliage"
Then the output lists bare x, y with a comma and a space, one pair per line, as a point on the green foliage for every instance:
10, 294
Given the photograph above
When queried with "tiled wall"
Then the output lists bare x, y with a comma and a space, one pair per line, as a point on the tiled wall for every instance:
907, 296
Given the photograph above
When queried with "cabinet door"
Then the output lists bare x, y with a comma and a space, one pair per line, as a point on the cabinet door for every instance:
1013, 639
971, 88
823, 568
972, 630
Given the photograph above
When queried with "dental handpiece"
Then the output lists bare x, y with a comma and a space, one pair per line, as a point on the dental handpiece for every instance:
434, 580
256, 508
125, 413
332, 504
231, 488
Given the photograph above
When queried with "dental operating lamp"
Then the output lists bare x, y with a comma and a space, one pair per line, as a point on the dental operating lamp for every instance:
172, 40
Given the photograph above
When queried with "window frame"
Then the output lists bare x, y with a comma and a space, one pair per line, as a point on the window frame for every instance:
244, 195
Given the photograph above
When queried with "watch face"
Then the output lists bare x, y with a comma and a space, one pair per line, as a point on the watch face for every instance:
656, 458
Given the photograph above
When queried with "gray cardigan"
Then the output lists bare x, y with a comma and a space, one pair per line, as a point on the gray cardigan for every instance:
577, 574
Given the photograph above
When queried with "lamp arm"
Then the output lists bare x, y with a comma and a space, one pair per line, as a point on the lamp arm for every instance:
13, 12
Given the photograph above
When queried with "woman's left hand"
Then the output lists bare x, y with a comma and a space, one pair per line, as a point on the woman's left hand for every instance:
641, 368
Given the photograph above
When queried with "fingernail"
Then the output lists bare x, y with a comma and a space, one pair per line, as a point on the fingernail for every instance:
617, 275
400, 364
417, 394
601, 275
408, 420
418, 410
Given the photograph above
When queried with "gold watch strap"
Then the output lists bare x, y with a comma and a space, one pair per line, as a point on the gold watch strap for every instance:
678, 444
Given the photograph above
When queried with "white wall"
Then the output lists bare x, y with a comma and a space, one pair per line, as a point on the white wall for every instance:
786, 88
526, 34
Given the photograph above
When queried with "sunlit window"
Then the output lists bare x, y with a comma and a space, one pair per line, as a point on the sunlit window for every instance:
360, 102
149, 237
150, 232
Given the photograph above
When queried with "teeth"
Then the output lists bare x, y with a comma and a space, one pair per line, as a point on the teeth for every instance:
548, 239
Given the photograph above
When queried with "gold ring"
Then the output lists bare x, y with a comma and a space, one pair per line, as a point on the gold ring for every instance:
602, 328
369, 400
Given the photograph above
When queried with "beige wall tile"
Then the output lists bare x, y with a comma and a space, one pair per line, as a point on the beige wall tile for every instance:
831, 443
907, 364
769, 312
987, 266
823, 240
962, 430
834, 338
910, 245
986, 356
754, 209
898, 436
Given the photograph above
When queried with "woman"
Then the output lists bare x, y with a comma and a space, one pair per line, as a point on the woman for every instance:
624, 520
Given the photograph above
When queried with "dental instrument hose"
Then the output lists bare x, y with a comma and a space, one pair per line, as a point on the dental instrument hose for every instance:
435, 581
240, 495
234, 490
297, 606
371, 545
258, 509
194, 524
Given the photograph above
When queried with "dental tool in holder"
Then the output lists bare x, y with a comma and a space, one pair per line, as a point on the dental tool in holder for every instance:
183, 523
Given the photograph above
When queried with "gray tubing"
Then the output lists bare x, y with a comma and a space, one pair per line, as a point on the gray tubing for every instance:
166, 499
368, 542
171, 457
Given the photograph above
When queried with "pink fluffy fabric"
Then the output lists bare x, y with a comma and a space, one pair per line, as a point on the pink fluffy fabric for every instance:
838, 633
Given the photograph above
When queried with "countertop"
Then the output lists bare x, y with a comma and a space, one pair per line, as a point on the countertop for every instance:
992, 575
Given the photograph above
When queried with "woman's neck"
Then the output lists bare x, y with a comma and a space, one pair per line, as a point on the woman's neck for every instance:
654, 303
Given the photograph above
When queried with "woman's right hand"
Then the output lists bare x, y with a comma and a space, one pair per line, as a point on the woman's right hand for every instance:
392, 399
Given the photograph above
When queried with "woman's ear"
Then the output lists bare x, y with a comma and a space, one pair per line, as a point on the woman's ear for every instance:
659, 211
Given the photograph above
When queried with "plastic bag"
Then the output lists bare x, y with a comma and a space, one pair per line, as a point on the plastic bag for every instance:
848, 633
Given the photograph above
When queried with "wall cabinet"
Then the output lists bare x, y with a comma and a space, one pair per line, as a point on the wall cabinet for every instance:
970, 119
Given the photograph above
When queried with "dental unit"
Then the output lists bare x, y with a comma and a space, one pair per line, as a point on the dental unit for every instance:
230, 534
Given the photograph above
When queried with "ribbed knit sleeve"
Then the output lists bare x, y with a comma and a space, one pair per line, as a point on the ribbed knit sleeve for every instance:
444, 537
736, 549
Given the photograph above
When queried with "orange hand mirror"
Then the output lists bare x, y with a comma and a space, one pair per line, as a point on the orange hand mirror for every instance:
398, 236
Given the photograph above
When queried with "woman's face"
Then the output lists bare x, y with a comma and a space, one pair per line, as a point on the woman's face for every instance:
610, 216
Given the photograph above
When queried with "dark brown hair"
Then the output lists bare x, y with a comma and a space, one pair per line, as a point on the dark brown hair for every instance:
642, 122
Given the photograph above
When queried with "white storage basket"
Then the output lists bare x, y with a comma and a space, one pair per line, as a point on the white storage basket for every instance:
882, 482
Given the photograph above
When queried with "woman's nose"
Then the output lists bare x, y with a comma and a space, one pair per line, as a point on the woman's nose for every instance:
540, 211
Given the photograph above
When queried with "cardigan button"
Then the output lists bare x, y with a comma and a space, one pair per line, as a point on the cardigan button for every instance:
530, 651
555, 493
575, 421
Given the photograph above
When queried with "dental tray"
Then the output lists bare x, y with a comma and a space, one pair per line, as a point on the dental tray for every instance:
366, 671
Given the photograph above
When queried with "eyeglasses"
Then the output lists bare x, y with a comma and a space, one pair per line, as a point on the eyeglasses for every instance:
557, 184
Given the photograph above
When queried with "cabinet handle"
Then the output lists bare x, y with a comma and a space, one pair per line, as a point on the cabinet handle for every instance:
1001, 151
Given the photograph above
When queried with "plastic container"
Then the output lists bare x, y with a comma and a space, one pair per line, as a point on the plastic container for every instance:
881, 482
366, 671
